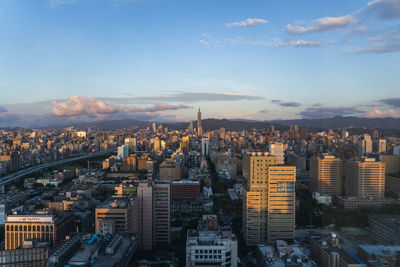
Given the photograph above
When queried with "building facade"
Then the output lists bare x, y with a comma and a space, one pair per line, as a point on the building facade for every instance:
326, 175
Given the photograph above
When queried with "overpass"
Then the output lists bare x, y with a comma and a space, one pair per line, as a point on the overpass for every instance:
28, 171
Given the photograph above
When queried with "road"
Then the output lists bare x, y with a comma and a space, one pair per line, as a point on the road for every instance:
19, 174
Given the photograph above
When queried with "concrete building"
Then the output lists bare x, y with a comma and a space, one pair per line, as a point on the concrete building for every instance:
325, 251
199, 127
363, 202
269, 199
24, 257
322, 199
170, 170
379, 146
45, 228
392, 163
116, 215
154, 214
365, 177
161, 213
211, 245
205, 146
326, 175
364, 145
185, 190
123, 151
379, 255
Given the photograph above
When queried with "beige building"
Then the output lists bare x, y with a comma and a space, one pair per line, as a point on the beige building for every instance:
116, 215
326, 175
269, 199
365, 177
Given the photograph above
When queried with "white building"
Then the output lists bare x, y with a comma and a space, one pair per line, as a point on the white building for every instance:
322, 199
211, 248
123, 151
207, 191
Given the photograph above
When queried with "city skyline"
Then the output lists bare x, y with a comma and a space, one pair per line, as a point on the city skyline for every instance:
159, 60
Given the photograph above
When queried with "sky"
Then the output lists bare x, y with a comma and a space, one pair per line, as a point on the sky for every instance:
160, 60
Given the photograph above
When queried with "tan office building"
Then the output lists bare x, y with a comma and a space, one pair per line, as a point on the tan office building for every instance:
365, 177
269, 199
326, 175
116, 215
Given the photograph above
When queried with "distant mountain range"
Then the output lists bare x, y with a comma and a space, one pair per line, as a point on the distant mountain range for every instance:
238, 124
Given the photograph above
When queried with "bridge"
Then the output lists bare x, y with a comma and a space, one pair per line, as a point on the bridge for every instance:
28, 171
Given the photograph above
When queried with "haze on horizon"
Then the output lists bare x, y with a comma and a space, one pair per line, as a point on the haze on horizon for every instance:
90, 60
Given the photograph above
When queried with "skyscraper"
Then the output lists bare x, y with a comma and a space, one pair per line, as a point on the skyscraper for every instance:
269, 199
199, 128
365, 177
205, 146
326, 172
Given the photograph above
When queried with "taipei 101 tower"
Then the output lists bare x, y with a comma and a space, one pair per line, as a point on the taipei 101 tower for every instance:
199, 129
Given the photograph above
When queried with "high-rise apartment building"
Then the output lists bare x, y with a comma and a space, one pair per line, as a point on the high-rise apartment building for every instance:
364, 145
365, 177
326, 175
269, 199
379, 146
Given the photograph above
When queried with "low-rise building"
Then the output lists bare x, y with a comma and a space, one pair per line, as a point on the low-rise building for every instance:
363, 202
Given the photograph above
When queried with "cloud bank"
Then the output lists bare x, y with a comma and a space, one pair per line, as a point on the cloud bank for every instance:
81, 105
321, 25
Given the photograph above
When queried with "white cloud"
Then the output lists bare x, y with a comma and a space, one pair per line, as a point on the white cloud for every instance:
378, 113
203, 42
246, 23
321, 25
376, 49
81, 105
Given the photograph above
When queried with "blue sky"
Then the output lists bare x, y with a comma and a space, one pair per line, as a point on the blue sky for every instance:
74, 60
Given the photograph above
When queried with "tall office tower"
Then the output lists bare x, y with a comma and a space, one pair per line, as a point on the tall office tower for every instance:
154, 127
199, 128
205, 146
281, 203
156, 144
303, 132
326, 172
379, 146
269, 199
293, 131
375, 134
46, 228
190, 127
123, 151
131, 142
277, 150
145, 215
345, 133
364, 145
154, 214
161, 213
365, 177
